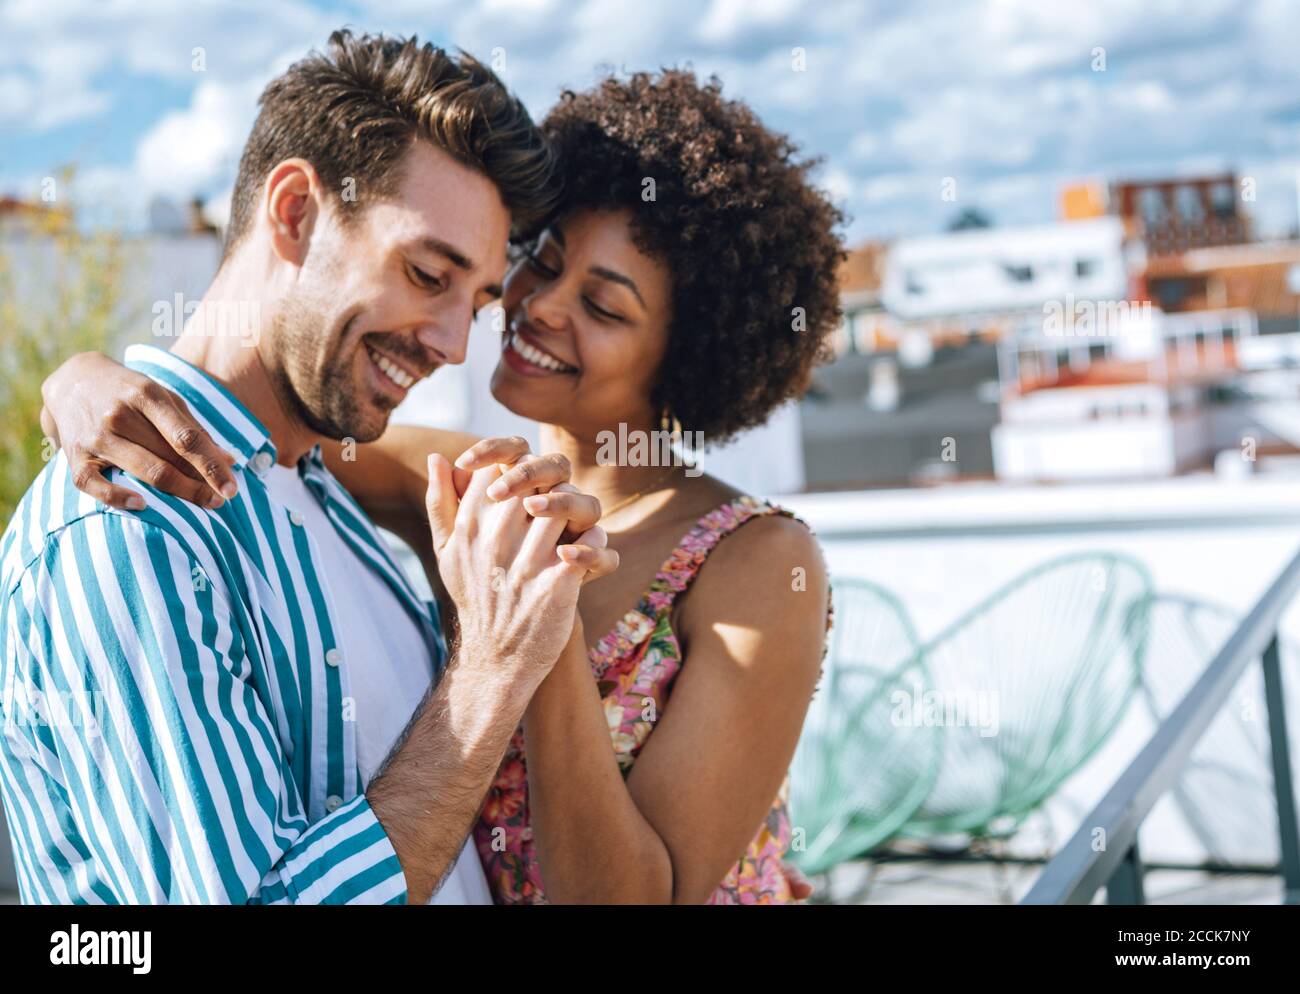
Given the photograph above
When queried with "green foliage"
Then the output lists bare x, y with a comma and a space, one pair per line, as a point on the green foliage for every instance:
61, 292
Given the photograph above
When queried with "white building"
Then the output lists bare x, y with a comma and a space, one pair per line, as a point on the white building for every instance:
988, 271
1126, 399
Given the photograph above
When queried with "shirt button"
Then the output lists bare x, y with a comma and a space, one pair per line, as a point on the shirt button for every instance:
333, 657
296, 518
333, 803
262, 462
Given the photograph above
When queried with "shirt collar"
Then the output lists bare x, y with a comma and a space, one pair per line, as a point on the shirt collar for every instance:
228, 421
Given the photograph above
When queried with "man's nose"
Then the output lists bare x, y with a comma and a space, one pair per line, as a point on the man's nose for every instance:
447, 346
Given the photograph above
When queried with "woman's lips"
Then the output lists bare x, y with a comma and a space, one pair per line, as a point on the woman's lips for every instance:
527, 357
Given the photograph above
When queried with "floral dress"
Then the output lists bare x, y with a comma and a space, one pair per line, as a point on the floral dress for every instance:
634, 667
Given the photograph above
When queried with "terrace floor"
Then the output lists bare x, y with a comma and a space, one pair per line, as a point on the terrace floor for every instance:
927, 881
930, 881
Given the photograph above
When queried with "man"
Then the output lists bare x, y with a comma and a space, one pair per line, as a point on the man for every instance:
235, 704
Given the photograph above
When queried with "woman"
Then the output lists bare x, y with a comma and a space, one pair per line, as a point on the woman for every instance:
687, 278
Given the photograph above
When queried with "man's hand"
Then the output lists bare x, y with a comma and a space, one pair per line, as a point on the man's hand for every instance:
515, 588
516, 597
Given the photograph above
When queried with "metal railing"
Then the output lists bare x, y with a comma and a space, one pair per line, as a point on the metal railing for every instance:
1103, 852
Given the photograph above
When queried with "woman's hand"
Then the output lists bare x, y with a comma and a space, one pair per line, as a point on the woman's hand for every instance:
104, 415
542, 481
801, 887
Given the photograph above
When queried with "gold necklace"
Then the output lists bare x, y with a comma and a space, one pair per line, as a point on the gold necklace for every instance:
605, 513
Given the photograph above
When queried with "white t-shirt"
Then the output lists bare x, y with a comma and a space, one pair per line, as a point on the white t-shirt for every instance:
389, 663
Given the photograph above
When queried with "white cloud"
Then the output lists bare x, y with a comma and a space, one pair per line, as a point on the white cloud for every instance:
61, 57
50, 84
838, 183
187, 151
727, 19
999, 94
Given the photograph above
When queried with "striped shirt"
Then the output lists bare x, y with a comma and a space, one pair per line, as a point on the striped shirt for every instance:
175, 712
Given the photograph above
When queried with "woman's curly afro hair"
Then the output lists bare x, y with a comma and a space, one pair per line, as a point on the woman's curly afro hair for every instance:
750, 244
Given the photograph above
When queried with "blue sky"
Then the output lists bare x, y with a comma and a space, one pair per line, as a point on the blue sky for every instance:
1001, 95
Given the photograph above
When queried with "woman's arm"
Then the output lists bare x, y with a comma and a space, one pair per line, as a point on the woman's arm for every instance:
389, 479
593, 844
103, 414
706, 778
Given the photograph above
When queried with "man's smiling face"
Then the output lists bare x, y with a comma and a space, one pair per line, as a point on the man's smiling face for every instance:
385, 299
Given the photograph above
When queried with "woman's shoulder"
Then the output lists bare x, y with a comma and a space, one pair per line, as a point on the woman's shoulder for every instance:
760, 553
770, 533
766, 523
718, 505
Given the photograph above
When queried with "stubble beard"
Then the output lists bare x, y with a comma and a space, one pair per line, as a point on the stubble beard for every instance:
319, 381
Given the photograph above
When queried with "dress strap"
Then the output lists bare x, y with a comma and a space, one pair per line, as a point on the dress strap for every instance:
676, 575
686, 559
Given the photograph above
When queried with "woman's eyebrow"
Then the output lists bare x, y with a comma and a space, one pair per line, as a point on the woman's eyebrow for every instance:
613, 277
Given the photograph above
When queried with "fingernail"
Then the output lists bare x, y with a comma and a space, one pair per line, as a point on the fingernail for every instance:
536, 503
215, 502
135, 503
498, 489
463, 461
228, 490
569, 553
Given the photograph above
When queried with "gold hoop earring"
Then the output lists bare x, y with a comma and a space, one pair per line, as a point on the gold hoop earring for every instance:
668, 422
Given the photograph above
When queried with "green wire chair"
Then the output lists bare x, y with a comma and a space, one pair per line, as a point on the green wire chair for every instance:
1226, 790
1025, 687
855, 777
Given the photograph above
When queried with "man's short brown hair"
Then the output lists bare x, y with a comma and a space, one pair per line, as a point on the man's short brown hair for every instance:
353, 111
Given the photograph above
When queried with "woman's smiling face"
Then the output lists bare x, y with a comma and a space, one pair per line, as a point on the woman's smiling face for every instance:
587, 317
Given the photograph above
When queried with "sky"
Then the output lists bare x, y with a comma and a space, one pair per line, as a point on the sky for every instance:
919, 109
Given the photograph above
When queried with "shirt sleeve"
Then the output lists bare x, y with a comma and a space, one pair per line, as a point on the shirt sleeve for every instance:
140, 762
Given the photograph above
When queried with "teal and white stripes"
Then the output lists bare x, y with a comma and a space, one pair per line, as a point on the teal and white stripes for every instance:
174, 708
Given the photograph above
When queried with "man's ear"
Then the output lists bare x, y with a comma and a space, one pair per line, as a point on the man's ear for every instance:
292, 203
